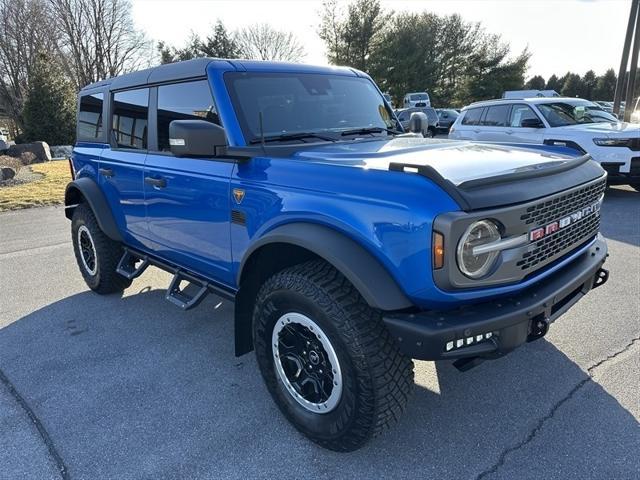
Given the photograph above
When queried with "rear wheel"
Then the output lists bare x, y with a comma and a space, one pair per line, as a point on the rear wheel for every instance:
326, 357
97, 255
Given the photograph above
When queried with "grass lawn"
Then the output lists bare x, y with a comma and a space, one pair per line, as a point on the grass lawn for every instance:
48, 190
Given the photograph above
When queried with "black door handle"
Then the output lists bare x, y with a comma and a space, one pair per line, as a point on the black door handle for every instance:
156, 182
107, 172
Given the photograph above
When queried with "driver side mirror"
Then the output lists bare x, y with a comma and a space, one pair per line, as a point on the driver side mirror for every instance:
418, 122
197, 138
531, 123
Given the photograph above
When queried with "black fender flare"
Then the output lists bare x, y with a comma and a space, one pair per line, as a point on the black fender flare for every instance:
88, 189
374, 282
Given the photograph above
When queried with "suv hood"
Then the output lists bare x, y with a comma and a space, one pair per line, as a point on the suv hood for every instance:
476, 175
454, 160
620, 129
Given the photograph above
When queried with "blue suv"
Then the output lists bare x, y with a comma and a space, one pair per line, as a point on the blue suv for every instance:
348, 246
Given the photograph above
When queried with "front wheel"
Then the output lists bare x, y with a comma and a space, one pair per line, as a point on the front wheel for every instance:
327, 359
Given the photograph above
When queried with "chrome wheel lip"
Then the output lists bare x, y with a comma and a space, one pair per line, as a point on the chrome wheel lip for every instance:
83, 230
336, 392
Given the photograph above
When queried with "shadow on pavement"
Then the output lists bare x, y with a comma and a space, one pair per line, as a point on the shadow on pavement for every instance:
131, 387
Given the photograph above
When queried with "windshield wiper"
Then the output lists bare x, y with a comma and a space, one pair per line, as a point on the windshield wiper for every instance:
365, 130
291, 136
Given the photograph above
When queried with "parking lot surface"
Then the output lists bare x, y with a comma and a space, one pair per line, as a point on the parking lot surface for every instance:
130, 387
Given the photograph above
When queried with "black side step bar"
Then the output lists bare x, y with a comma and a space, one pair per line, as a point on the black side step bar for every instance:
133, 263
181, 297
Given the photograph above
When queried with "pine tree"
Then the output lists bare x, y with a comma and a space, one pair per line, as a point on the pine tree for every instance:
50, 108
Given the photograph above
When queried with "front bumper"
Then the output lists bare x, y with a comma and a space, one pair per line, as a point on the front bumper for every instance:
492, 329
617, 176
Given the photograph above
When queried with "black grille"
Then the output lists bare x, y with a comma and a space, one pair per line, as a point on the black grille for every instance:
560, 242
635, 166
563, 205
635, 144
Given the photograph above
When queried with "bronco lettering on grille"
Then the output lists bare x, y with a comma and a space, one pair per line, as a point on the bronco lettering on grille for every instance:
541, 232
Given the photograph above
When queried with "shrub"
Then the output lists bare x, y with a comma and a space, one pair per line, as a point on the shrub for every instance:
11, 162
27, 158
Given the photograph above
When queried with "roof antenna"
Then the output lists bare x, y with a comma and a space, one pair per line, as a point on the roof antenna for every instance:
262, 132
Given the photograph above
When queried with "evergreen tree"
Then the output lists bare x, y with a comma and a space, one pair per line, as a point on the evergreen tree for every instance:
605, 86
221, 44
571, 85
535, 83
554, 83
589, 82
50, 108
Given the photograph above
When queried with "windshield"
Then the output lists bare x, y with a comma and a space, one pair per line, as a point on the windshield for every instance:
291, 103
418, 96
560, 114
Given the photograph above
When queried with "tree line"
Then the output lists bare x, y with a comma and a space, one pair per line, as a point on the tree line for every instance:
49, 49
589, 85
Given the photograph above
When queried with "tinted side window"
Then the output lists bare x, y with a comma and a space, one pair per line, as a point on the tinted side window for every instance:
183, 101
90, 116
496, 116
472, 116
130, 118
519, 113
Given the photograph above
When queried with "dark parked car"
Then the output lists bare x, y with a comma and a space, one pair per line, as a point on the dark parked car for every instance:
404, 115
446, 117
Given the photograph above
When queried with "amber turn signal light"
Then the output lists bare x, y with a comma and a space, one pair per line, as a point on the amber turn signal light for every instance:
438, 250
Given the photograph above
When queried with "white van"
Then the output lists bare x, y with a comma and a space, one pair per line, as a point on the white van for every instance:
416, 99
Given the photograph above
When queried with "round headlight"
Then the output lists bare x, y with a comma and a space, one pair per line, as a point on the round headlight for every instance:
478, 233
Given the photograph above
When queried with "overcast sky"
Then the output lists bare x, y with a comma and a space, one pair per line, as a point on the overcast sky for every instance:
562, 35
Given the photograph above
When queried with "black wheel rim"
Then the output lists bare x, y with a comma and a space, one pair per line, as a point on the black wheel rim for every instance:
87, 250
306, 363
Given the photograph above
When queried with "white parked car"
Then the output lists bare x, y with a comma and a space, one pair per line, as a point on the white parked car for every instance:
570, 122
416, 99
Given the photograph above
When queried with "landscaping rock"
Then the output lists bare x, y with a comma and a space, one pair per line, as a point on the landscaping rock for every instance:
39, 149
3, 146
61, 151
7, 173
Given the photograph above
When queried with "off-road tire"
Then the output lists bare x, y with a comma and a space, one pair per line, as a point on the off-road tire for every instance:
107, 254
377, 378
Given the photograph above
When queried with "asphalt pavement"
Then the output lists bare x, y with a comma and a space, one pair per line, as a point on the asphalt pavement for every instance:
119, 387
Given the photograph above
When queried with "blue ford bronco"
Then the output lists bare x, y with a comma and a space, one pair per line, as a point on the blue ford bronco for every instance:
348, 246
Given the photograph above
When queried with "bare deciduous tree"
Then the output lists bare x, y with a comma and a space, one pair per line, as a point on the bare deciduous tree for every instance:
263, 42
98, 38
25, 30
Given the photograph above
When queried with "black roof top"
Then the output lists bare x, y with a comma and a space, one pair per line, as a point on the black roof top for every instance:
162, 73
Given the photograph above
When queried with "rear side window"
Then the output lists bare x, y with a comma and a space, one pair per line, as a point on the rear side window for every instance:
519, 113
183, 101
496, 116
472, 116
90, 117
130, 118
